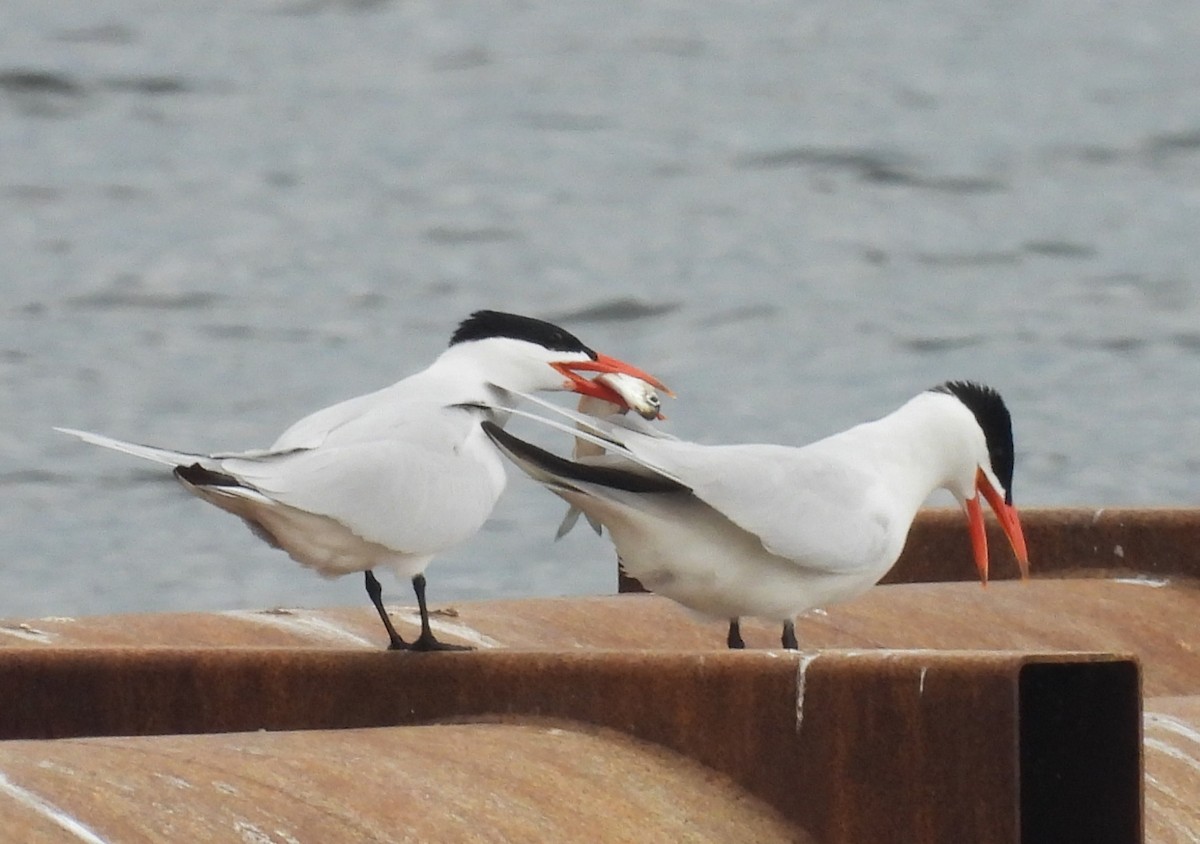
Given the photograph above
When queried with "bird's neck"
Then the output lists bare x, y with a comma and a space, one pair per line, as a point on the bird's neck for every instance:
457, 378
921, 447
473, 366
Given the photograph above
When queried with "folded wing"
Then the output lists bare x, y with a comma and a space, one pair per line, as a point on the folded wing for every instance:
802, 505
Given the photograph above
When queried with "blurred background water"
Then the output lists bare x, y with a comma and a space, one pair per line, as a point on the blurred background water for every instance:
216, 217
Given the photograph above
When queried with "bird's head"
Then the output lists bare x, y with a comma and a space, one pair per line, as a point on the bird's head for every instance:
990, 471
526, 354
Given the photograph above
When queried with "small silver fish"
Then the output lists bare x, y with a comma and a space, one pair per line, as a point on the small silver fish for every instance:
642, 400
640, 396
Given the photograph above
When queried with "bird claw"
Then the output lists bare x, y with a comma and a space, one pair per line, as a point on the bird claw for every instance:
428, 643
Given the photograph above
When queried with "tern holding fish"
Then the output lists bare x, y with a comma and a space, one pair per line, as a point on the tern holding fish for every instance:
771, 531
634, 393
639, 397
394, 477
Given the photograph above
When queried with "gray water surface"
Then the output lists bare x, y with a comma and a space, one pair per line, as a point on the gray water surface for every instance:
217, 217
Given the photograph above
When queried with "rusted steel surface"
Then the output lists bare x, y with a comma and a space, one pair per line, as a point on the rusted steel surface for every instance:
1171, 729
917, 712
849, 747
1062, 541
1154, 619
450, 783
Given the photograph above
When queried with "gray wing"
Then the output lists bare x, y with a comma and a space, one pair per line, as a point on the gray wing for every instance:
801, 504
405, 495
806, 504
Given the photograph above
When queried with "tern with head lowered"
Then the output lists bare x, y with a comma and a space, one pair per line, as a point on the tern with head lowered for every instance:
771, 531
394, 477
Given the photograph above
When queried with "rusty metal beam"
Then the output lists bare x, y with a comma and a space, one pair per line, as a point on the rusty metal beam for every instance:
543, 781
1143, 617
848, 746
885, 744
1171, 730
1062, 541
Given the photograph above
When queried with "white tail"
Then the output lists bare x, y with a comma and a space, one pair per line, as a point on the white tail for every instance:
146, 452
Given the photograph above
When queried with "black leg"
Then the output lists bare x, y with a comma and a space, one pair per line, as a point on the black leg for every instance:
426, 641
735, 635
789, 636
395, 643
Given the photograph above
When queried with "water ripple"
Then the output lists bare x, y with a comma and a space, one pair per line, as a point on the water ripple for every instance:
237, 331
967, 259
149, 85
562, 121
105, 33
1187, 340
616, 310
879, 167
936, 345
121, 299
33, 476
39, 82
42, 93
1059, 249
748, 313
1119, 343
454, 235
1159, 147
468, 59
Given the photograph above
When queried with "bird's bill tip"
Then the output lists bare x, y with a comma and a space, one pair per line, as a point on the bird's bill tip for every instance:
1010, 522
979, 545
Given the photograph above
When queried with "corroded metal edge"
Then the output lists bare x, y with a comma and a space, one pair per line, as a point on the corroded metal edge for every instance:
1146, 616
1063, 541
850, 745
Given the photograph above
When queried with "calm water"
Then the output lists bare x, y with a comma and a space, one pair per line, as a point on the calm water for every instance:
219, 216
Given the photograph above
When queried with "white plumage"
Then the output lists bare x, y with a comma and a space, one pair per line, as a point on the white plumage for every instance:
394, 477
771, 531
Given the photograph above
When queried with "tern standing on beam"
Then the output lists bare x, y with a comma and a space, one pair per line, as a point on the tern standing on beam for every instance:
394, 477
771, 531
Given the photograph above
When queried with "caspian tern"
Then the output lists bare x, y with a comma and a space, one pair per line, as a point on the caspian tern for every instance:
393, 477
771, 531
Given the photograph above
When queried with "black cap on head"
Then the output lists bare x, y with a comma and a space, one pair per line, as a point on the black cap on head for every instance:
484, 324
995, 421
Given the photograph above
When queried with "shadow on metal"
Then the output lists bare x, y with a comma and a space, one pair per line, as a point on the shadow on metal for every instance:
1062, 729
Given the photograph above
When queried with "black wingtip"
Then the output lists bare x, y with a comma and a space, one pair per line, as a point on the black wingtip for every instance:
607, 476
197, 475
994, 419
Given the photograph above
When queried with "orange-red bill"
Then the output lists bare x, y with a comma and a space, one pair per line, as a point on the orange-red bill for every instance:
1010, 522
978, 537
598, 389
604, 363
